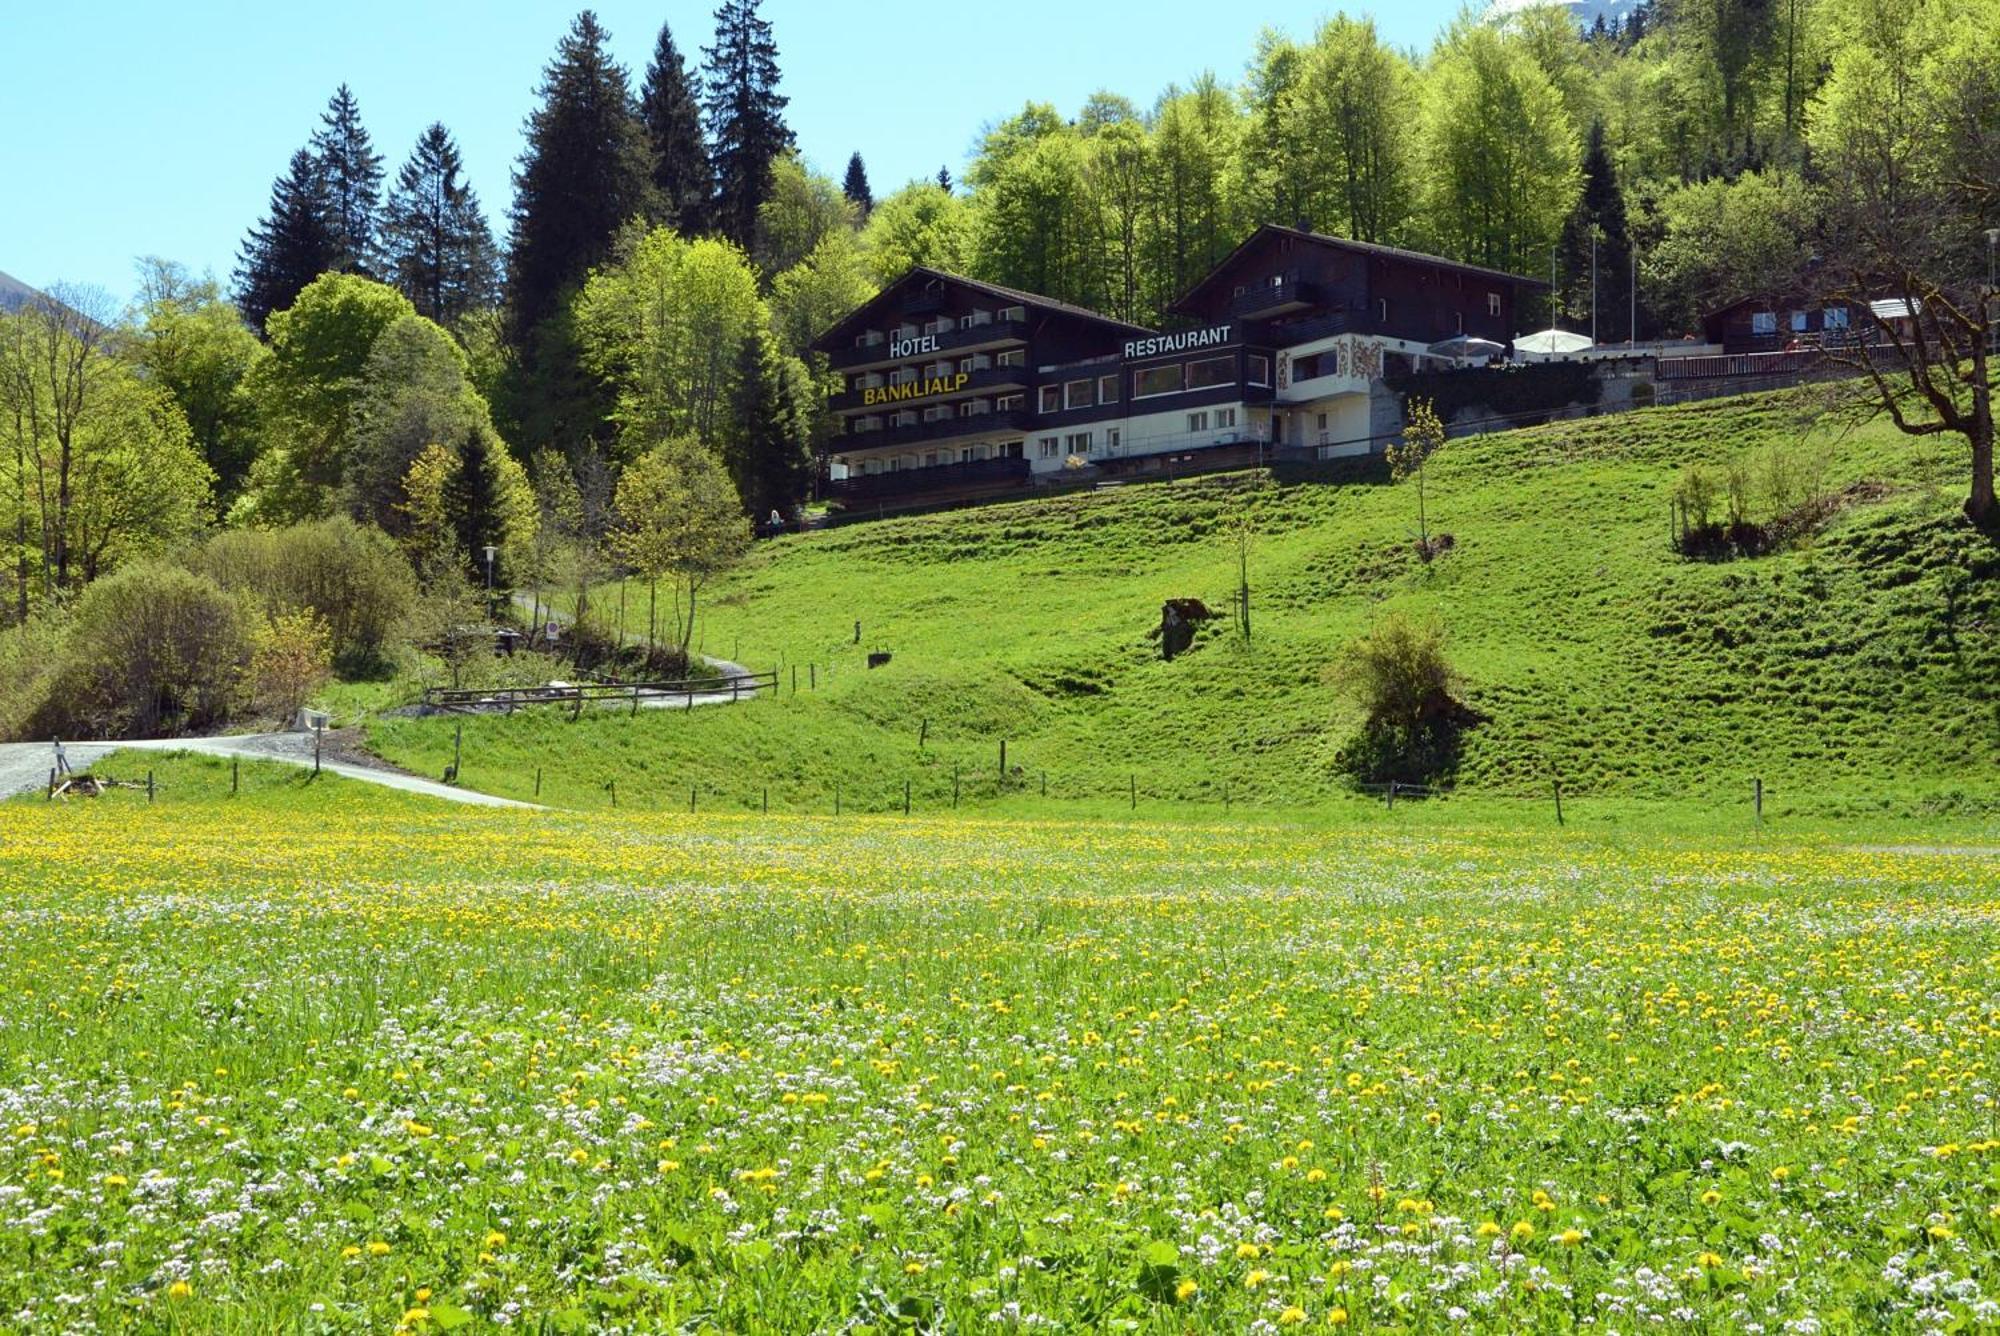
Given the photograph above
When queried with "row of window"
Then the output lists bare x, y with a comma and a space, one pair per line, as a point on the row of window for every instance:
1081, 442
943, 324
1766, 322
930, 459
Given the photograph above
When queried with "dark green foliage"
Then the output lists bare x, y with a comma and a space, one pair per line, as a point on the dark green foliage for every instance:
944, 179
351, 170
769, 450
746, 126
583, 173
1516, 393
670, 106
473, 502
292, 246
855, 187
1601, 207
436, 247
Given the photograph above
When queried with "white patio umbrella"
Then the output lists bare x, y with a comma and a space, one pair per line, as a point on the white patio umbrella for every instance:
1551, 343
1467, 347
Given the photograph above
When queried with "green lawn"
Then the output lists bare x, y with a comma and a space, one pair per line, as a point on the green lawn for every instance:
318, 1057
1856, 675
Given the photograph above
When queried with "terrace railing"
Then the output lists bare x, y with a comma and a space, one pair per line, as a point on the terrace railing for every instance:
736, 686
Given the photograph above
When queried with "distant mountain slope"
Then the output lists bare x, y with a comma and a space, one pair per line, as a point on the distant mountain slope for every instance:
1585, 12
14, 294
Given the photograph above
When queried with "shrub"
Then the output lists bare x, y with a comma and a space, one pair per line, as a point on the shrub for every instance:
351, 575
30, 656
152, 649
291, 656
1400, 676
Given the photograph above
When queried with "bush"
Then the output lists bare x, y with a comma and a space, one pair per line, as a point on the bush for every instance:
351, 575
1400, 676
30, 656
291, 657
150, 650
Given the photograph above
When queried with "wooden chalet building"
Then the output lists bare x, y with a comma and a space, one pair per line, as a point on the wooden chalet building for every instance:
956, 387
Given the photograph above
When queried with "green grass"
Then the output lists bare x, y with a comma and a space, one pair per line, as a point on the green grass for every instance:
1855, 675
322, 1058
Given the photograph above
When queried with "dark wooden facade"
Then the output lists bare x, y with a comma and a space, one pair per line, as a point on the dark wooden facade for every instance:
1294, 286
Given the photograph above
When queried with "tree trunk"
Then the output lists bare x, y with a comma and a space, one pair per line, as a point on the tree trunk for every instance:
1979, 505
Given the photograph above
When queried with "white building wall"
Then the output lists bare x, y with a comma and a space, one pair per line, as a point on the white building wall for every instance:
1154, 433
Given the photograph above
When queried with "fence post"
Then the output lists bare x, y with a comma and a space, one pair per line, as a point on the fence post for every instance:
538, 781
906, 794
1392, 794
457, 751
923, 732
954, 786
692, 790
1559, 802
52, 785
612, 786
1759, 800
1045, 783
1225, 797
635, 700
767, 800
857, 632
317, 732
149, 786
812, 677
1003, 760
795, 679
836, 800
235, 774
1133, 781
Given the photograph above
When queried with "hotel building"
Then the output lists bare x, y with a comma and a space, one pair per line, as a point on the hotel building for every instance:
956, 387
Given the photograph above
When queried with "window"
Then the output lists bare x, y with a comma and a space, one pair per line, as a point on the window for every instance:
1382, 309
1012, 450
1798, 322
1107, 389
1212, 371
1459, 316
1197, 422
965, 455
1051, 399
1010, 403
1305, 368
1833, 317
1048, 448
938, 414
1322, 422
938, 326
1260, 370
930, 459
1763, 322
1076, 394
902, 375
974, 408
1493, 304
1111, 439
1012, 357
1225, 417
1156, 380
1078, 443
1015, 313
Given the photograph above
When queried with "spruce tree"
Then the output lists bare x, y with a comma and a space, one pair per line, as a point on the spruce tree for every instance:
1601, 206
472, 503
746, 126
436, 247
352, 172
856, 186
769, 451
582, 174
291, 247
944, 179
670, 106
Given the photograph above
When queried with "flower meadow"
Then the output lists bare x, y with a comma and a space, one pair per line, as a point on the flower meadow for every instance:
376, 1067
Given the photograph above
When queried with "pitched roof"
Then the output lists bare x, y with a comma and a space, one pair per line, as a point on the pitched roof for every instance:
862, 313
1343, 243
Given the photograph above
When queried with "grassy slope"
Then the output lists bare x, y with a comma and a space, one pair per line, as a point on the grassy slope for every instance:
1857, 674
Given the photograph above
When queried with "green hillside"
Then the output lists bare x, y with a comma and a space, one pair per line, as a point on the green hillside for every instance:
1855, 672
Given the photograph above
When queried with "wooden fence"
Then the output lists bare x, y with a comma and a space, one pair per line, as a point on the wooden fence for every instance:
576, 695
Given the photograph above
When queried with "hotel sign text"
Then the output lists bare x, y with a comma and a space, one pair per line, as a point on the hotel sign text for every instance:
1160, 345
915, 389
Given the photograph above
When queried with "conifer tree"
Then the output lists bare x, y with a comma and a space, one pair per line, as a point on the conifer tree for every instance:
944, 179
1601, 206
670, 106
746, 126
769, 454
291, 247
436, 247
472, 501
856, 186
351, 171
582, 174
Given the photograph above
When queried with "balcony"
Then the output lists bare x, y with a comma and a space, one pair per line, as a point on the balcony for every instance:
922, 301
1280, 296
985, 381
917, 433
980, 473
994, 335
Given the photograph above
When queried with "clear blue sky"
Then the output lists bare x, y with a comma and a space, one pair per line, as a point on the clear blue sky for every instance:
132, 127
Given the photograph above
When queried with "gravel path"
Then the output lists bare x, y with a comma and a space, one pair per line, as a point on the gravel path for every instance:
25, 765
